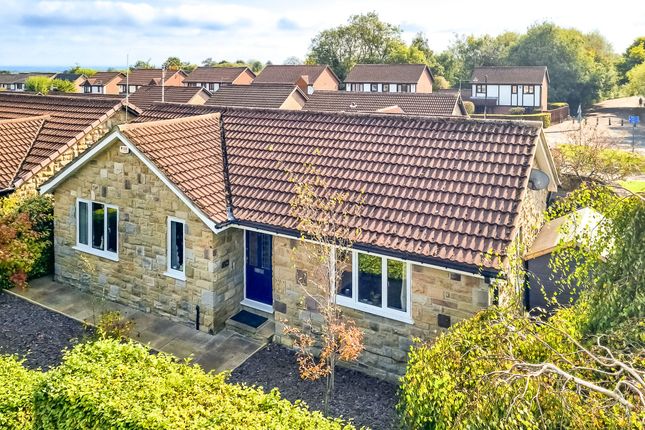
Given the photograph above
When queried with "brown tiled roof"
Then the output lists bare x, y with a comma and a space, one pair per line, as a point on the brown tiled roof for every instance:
441, 104
146, 95
222, 75
16, 138
442, 190
189, 153
147, 76
289, 74
69, 119
256, 95
103, 78
386, 73
510, 74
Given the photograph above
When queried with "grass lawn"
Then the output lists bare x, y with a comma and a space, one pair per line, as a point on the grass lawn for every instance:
634, 186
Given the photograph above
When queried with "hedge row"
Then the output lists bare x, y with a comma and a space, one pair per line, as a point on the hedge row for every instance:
108, 385
17, 386
545, 117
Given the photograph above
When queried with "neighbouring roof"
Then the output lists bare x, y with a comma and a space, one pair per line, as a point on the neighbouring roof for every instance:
386, 73
441, 104
256, 95
148, 76
16, 138
510, 75
71, 77
438, 190
20, 78
289, 74
146, 95
222, 75
189, 153
69, 118
103, 78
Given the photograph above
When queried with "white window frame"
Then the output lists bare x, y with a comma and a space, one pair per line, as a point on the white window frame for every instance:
173, 273
383, 311
114, 256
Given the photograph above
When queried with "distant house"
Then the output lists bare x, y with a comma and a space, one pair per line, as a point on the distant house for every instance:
103, 83
40, 134
76, 78
212, 78
141, 77
309, 77
498, 89
146, 96
16, 81
390, 78
427, 104
276, 96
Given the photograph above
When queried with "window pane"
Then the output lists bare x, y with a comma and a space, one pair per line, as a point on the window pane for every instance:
82, 223
396, 285
111, 229
252, 250
370, 288
344, 272
98, 226
176, 245
265, 251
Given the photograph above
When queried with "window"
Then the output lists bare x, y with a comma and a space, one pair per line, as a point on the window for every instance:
87, 89
374, 284
97, 228
404, 88
513, 89
386, 88
480, 89
529, 89
374, 88
176, 247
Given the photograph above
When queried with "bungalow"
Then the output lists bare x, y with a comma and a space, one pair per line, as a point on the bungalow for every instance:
76, 78
147, 95
190, 217
212, 78
141, 77
103, 83
40, 134
390, 78
498, 89
271, 96
309, 77
16, 81
427, 104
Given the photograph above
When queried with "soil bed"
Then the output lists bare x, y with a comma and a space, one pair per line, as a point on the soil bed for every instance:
366, 400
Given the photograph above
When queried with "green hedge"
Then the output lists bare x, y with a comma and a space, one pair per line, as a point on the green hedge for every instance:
122, 386
17, 385
545, 117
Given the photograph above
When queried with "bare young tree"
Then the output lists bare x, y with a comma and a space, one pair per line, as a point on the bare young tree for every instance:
324, 219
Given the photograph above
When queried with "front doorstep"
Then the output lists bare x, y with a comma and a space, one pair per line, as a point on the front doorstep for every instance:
257, 305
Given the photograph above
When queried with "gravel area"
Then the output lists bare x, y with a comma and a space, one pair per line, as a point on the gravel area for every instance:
367, 401
35, 333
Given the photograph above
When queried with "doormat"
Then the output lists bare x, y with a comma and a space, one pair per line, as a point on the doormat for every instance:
248, 318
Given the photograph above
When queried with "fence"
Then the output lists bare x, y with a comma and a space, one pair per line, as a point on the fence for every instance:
559, 114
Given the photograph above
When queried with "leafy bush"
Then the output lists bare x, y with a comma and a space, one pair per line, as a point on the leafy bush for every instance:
16, 390
470, 107
26, 239
107, 384
556, 105
517, 111
112, 325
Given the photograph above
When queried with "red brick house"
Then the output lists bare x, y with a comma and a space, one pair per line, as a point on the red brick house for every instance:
309, 77
212, 78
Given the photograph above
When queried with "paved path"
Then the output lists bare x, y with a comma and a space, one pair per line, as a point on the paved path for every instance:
224, 351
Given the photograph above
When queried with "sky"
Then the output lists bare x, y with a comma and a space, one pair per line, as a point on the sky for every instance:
105, 33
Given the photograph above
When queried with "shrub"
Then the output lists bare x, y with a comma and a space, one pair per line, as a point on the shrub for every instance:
517, 111
112, 325
16, 390
470, 107
122, 386
556, 105
545, 117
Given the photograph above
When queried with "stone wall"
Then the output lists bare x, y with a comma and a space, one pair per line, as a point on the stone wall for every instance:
30, 186
214, 263
387, 341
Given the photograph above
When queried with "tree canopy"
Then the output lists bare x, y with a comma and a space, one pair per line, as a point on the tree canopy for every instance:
175, 63
44, 84
634, 55
143, 64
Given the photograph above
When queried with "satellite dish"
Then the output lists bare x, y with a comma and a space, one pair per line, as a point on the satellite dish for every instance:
538, 180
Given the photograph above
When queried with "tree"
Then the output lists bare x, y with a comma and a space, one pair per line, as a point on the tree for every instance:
323, 217
63, 86
634, 55
440, 83
38, 84
81, 70
420, 42
292, 61
174, 63
635, 85
143, 64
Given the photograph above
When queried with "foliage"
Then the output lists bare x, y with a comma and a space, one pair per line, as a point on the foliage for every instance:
592, 154
81, 71
635, 85
143, 64
63, 86
517, 111
634, 55
323, 219
107, 384
112, 325
16, 392
440, 83
545, 117
470, 107
633, 186
174, 63
292, 61
38, 84
26, 239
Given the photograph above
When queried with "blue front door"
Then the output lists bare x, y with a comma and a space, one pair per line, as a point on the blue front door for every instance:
259, 277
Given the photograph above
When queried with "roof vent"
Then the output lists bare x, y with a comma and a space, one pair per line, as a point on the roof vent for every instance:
123, 149
353, 105
538, 180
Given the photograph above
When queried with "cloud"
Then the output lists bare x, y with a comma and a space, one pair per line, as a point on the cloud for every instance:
287, 24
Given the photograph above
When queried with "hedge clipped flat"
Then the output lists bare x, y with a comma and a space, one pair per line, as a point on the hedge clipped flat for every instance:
122, 386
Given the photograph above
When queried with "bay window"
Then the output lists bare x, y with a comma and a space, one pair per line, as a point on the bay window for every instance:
374, 284
97, 228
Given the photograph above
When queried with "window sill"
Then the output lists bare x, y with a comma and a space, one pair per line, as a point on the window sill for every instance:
385, 313
176, 275
103, 254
